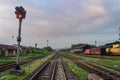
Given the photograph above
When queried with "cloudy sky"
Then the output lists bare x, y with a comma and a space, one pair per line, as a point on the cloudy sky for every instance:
62, 22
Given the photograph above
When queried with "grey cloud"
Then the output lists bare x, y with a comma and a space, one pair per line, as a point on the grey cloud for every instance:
62, 18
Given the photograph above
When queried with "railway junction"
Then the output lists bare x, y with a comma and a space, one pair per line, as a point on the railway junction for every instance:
56, 67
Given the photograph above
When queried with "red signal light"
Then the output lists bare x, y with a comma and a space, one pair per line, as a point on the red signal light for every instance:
20, 16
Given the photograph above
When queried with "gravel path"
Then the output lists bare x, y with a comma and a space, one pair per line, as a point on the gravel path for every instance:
60, 74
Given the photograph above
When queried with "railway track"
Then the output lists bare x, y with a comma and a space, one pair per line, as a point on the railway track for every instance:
62, 71
10, 65
103, 72
59, 71
52, 69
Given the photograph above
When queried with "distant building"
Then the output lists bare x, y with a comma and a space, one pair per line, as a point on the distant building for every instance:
112, 45
81, 48
1, 50
11, 50
22, 49
7, 50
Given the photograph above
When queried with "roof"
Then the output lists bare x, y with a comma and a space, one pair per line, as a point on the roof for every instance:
82, 46
109, 45
15, 46
3, 46
112, 43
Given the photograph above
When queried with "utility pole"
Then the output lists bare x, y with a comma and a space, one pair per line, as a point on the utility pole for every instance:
95, 43
47, 42
119, 37
35, 47
119, 34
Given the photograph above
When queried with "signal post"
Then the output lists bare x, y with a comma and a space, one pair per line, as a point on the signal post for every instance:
20, 14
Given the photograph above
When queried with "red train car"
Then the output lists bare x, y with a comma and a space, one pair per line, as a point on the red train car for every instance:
98, 51
87, 52
95, 51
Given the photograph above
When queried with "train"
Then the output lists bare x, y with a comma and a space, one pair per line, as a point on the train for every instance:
102, 51
113, 51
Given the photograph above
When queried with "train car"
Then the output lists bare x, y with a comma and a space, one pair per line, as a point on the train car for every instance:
98, 51
115, 45
95, 51
113, 51
108, 51
87, 52
77, 51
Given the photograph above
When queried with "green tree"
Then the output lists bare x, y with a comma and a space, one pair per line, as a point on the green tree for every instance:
77, 45
48, 48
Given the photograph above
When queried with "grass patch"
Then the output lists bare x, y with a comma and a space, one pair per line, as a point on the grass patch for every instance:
115, 64
79, 72
28, 69
4, 60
